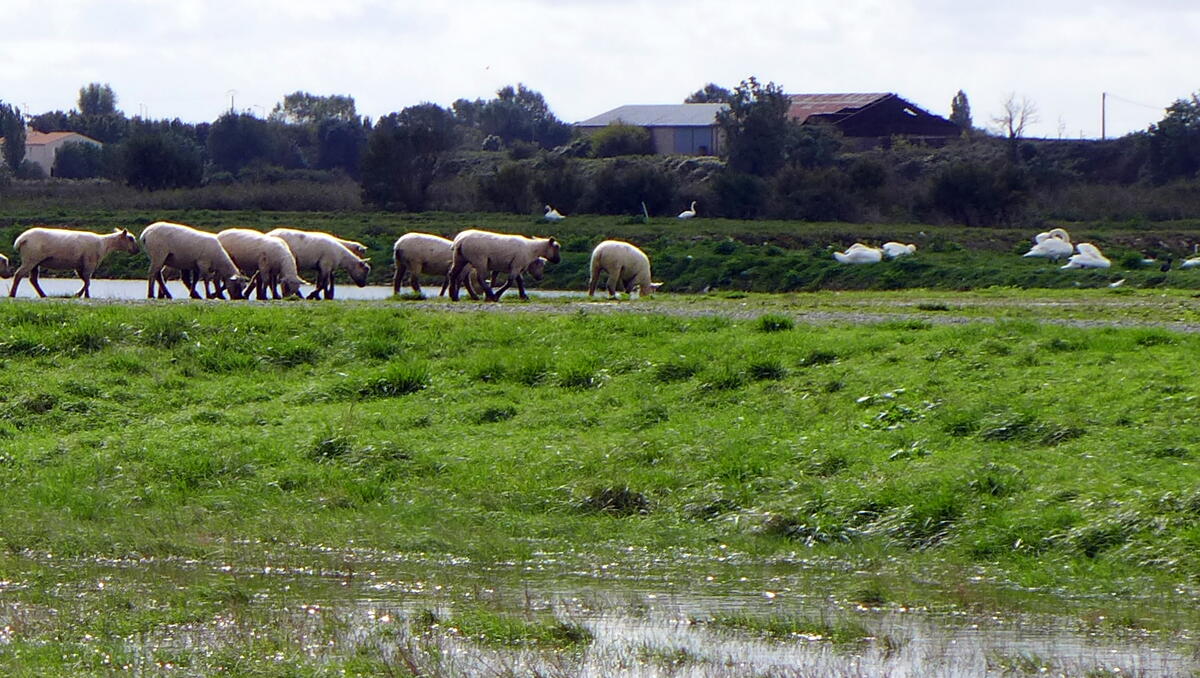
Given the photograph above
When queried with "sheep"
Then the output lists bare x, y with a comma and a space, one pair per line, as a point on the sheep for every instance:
267, 259
5, 269
487, 251
422, 253
60, 248
193, 252
325, 254
626, 265
536, 270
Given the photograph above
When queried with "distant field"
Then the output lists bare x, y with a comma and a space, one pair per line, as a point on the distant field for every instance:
708, 254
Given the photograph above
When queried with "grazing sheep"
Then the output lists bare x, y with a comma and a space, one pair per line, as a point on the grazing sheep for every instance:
60, 248
5, 269
359, 249
267, 259
898, 249
536, 270
859, 253
510, 254
626, 265
197, 254
323, 253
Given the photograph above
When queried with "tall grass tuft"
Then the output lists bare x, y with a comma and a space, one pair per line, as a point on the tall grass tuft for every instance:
774, 322
398, 379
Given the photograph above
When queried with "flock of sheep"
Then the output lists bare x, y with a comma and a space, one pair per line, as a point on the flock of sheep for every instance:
237, 261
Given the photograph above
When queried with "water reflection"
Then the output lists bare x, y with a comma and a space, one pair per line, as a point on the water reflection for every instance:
136, 289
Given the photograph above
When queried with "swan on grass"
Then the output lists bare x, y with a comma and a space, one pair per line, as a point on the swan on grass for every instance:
552, 214
688, 213
1053, 245
1089, 256
898, 249
859, 253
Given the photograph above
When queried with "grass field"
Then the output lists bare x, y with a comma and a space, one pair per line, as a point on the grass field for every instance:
158, 454
703, 254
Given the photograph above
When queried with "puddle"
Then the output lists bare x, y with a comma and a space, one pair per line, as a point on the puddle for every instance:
647, 619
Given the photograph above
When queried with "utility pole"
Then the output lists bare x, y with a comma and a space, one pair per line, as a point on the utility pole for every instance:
1103, 114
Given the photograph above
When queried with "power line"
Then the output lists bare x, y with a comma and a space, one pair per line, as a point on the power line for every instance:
1132, 102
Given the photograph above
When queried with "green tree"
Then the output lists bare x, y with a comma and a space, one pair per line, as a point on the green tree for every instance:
403, 154
709, 94
12, 127
78, 160
237, 139
303, 108
156, 160
97, 99
960, 112
756, 127
1174, 142
521, 114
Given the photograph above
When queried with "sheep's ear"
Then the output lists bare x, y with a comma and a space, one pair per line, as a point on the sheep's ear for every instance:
552, 241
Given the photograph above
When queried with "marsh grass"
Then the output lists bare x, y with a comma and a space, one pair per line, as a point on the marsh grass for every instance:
210, 433
840, 632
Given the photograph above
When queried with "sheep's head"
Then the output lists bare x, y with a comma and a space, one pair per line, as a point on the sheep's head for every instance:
359, 271
647, 290
551, 253
5, 269
126, 241
291, 286
236, 286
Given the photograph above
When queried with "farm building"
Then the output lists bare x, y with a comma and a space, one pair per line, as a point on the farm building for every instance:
41, 147
875, 117
677, 129
691, 129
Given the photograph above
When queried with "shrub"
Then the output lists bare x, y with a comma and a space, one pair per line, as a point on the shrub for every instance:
619, 138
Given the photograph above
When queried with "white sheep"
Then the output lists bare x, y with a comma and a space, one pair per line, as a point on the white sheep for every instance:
266, 259
359, 249
626, 265
323, 253
5, 269
501, 252
535, 270
422, 254
197, 254
61, 248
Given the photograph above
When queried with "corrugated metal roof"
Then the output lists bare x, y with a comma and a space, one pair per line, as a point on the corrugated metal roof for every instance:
35, 138
659, 115
805, 105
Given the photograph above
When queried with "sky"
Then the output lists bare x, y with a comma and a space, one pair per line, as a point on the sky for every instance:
194, 59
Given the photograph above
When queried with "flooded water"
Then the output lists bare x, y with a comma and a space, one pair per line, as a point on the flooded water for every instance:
649, 619
136, 289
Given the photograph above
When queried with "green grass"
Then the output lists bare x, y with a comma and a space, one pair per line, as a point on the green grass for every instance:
1034, 456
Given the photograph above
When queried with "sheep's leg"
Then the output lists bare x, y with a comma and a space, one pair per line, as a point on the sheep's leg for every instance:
398, 277
316, 293
454, 276
190, 282
521, 288
85, 291
33, 280
17, 275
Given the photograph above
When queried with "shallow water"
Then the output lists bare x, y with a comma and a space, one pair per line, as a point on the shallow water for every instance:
136, 289
649, 618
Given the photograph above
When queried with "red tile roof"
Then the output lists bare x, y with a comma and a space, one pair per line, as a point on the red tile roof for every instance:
805, 105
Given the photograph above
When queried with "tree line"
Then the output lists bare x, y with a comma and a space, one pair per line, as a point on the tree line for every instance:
511, 153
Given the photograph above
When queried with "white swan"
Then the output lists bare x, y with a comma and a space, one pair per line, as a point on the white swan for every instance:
552, 214
688, 213
859, 253
1194, 261
1053, 244
898, 249
1089, 257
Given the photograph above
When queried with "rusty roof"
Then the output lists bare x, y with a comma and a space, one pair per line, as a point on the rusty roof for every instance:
806, 105
35, 138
